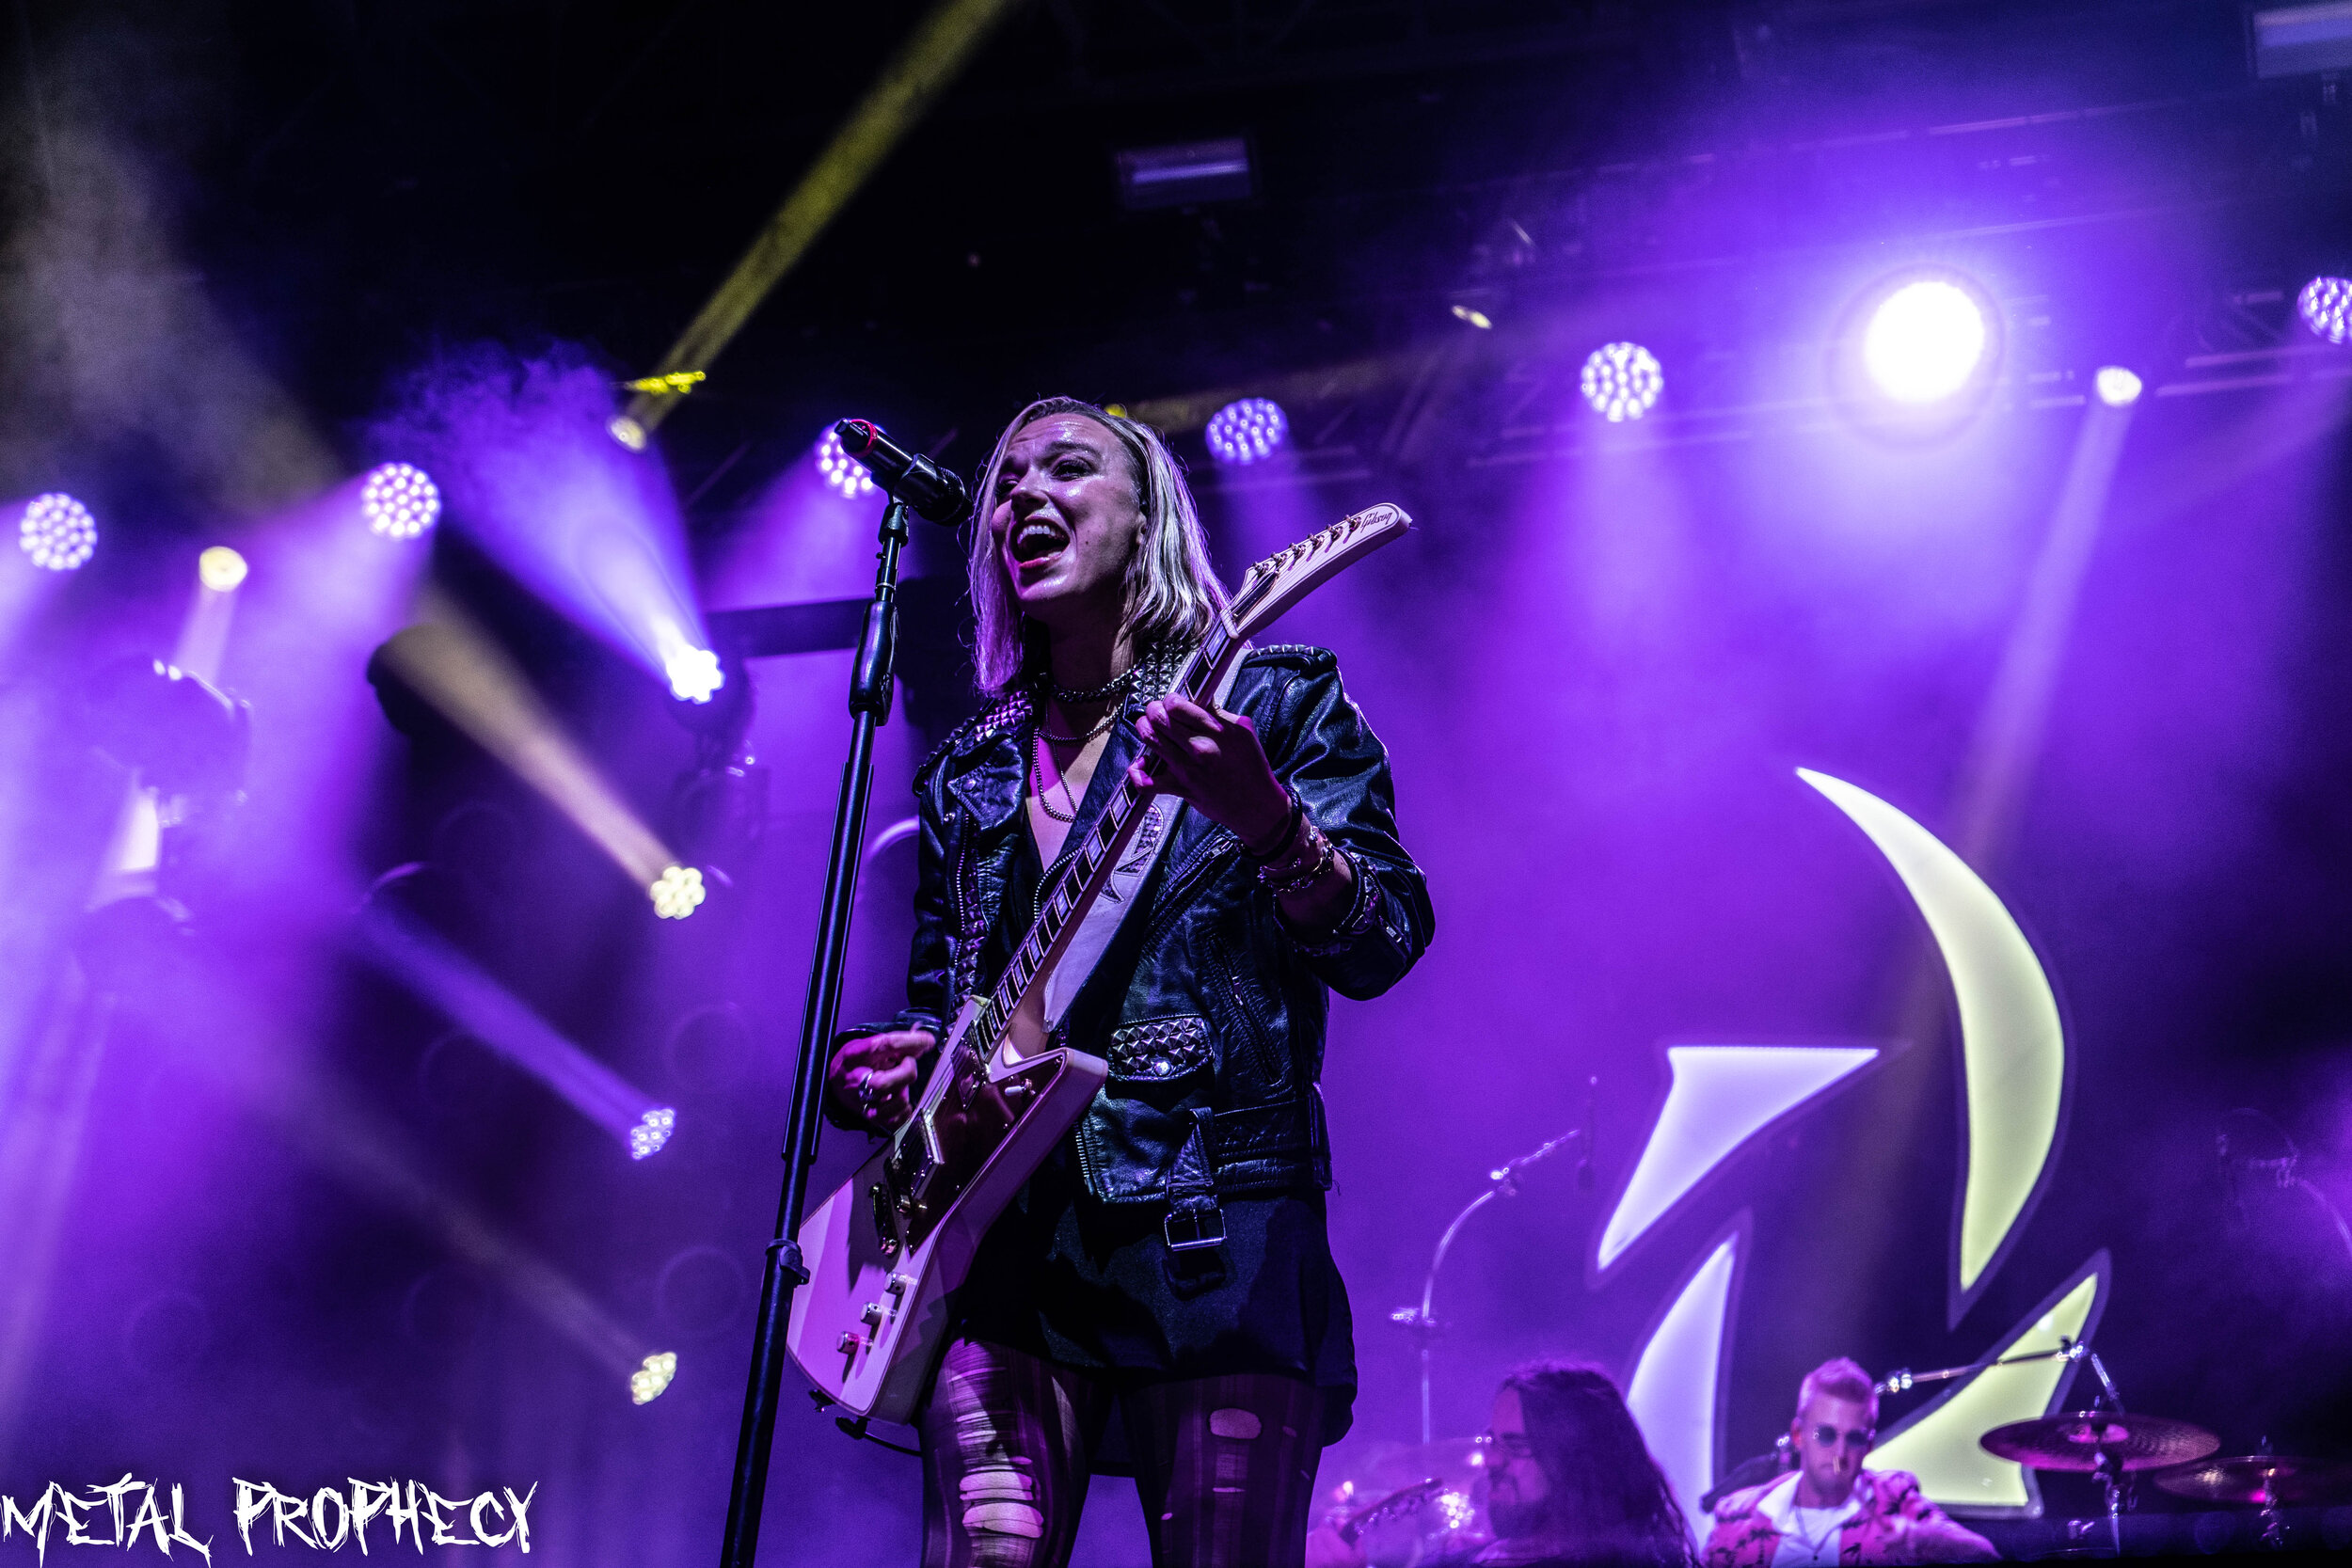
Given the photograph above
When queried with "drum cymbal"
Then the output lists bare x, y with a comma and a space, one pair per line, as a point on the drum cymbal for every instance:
2077, 1439
2260, 1478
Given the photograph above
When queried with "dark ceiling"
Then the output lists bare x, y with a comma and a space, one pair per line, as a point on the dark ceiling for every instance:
363, 184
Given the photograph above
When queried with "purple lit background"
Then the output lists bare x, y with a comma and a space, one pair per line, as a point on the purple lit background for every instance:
272, 1214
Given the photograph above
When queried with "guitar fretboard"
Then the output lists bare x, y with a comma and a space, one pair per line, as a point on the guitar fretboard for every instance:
1103, 843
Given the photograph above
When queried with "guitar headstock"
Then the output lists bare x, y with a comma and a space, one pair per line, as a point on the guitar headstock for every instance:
1271, 587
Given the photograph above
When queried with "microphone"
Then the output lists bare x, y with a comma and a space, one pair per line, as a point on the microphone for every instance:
1585, 1175
913, 478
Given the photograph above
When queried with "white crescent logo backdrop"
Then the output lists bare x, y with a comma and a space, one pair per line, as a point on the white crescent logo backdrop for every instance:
2013, 1046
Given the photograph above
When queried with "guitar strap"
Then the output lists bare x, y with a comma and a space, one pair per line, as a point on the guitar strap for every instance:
1093, 936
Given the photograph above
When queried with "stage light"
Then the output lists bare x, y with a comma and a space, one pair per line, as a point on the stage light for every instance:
2117, 387
677, 893
57, 531
395, 937
2326, 307
220, 569
399, 500
1924, 341
843, 473
1622, 381
1246, 431
693, 672
1474, 316
652, 1131
651, 1377
627, 431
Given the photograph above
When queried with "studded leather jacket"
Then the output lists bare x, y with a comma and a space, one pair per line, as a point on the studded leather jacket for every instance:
1210, 1005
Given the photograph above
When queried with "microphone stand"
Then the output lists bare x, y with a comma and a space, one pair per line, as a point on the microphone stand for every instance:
1902, 1380
869, 708
1503, 1182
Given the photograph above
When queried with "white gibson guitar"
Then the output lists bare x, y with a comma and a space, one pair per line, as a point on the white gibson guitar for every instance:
887, 1248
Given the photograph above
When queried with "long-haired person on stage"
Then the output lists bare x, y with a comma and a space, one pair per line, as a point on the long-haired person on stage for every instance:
1160, 1299
1570, 1483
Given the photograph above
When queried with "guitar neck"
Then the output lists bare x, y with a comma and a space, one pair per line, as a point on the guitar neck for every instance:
1083, 878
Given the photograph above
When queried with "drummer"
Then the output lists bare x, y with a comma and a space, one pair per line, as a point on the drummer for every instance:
1831, 1510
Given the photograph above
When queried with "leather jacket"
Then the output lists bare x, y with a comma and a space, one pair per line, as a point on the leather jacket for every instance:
1210, 1005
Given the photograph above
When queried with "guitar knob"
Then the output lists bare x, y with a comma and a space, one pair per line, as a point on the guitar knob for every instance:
874, 1314
850, 1343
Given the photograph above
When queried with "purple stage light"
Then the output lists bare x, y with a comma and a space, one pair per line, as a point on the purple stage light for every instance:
2117, 388
1925, 341
1622, 381
2326, 307
652, 1131
399, 500
843, 472
57, 531
1246, 431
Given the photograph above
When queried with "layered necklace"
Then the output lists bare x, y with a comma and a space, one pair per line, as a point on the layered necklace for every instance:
1069, 699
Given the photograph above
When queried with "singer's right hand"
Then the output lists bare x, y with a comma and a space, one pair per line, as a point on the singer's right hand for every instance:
870, 1081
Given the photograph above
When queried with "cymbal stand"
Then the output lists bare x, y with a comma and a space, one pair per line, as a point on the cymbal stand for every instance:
2274, 1536
2103, 1470
2111, 1480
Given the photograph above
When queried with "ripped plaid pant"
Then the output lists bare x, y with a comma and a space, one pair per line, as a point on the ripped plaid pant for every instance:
1225, 1465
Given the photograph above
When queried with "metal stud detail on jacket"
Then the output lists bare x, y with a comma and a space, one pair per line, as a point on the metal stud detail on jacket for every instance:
1160, 1048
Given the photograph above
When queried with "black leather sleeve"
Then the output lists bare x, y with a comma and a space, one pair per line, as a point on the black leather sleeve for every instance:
1321, 747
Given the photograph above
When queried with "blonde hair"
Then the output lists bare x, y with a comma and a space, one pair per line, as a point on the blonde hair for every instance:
1840, 1379
1173, 594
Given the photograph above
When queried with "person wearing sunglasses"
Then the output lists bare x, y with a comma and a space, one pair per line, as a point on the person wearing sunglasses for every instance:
1829, 1509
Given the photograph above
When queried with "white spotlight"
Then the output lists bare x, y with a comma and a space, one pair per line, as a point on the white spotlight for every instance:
1621, 381
677, 894
2117, 387
654, 1375
693, 672
57, 531
1924, 341
399, 500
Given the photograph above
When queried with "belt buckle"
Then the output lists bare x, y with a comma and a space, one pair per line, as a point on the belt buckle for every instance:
1195, 1229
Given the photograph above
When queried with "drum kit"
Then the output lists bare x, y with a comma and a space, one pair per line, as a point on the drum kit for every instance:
2112, 1445
1415, 1503
1422, 1493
